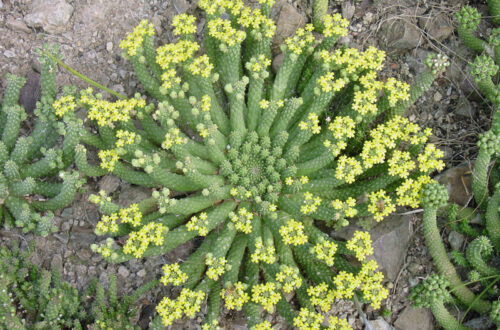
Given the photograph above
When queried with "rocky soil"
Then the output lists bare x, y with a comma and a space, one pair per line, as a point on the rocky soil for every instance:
88, 33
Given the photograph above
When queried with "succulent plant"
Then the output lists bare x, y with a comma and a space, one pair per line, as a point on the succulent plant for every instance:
30, 161
259, 165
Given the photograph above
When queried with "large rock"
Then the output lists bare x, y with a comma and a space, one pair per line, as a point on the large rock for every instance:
458, 181
438, 26
400, 35
379, 324
289, 20
414, 319
51, 15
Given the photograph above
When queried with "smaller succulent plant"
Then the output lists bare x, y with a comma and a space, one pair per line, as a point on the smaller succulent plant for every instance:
32, 298
29, 162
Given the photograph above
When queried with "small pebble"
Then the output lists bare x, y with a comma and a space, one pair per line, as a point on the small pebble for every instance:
109, 46
438, 97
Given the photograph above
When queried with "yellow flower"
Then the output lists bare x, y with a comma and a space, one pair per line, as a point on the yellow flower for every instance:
381, 205
266, 295
173, 274
216, 266
325, 250
347, 169
293, 233
400, 164
198, 223
235, 296
308, 320
133, 41
290, 278
321, 296
184, 24
338, 324
335, 25
64, 105
361, 244
345, 284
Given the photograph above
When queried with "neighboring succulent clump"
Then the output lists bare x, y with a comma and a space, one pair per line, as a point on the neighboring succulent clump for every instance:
484, 239
33, 298
256, 164
28, 162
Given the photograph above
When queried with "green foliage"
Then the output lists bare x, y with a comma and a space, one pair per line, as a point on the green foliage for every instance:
256, 164
29, 162
481, 248
33, 298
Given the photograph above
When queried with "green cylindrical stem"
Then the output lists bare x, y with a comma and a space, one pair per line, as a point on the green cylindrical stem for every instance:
320, 9
219, 117
11, 95
128, 174
494, 8
493, 219
476, 252
64, 198
84, 166
214, 302
283, 76
443, 264
92, 139
318, 272
48, 76
229, 65
488, 88
480, 177
22, 188
194, 266
470, 40
181, 235
444, 318
10, 132
149, 82
255, 95
315, 164
173, 181
148, 46
235, 258
152, 130
252, 310
20, 152
47, 189
20, 210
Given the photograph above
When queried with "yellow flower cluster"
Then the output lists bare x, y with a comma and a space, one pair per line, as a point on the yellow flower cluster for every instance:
293, 233
242, 221
188, 303
312, 124
428, 161
346, 209
266, 295
347, 169
400, 164
108, 159
265, 253
133, 41
138, 241
335, 25
269, 3
216, 266
235, 296
345, 284
325, 250
342, 129
172, 137
64, 104
265, 325
255, 20
354, 61
169, 78
361, 244
338, 324
398, 129
259, 63
198, 223
371, 284
290, 278
311, 203
125, 137
222, 30
172, 273
364, 101
410, 190
397, 90
328, 83
321, 296
175, 53
214, 325
381, 205
308, 320
106, 113
201, 66
373, 153
184, 24
302, 39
